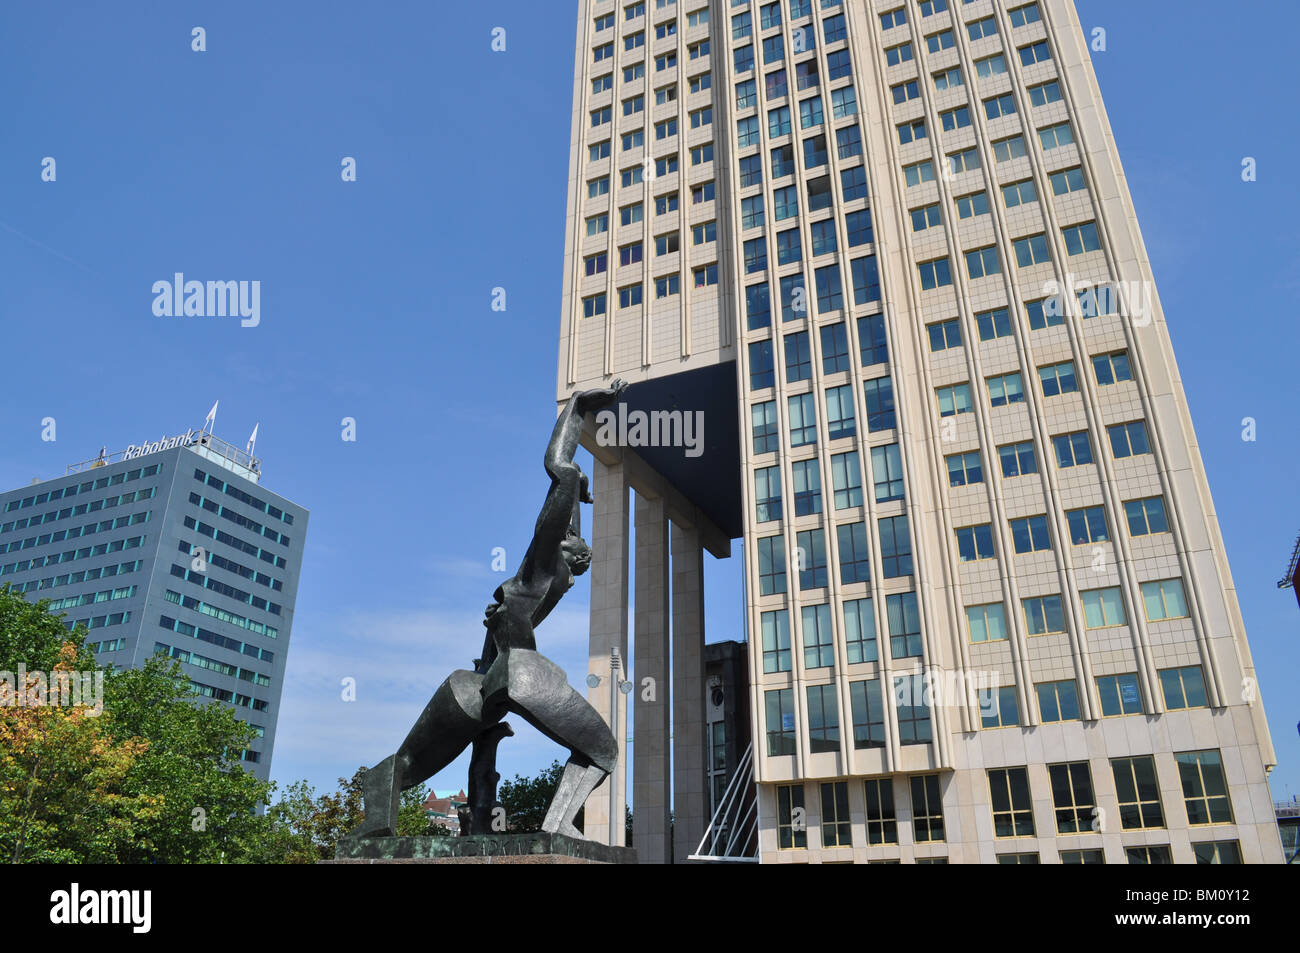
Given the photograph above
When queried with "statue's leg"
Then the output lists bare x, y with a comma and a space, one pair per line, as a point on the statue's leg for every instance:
446, 727
534, 687
483, 778
576, 784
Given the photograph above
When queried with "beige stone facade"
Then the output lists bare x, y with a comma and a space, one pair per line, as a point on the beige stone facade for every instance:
999, 253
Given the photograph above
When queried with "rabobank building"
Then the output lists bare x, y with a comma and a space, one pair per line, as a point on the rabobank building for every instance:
173, 547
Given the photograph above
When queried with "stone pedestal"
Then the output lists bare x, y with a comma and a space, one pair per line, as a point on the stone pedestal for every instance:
479, 849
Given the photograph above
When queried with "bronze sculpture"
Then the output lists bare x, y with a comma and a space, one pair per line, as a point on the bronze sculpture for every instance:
511, 675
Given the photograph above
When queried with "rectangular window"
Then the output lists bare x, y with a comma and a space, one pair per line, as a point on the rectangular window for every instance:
954, 399
982, 263
1073, 801
904, 625
818, 642
1067, 181
767, 438
798, 357
868, 714
1103, 608
998, 707
803, 420
1058, 379
1058, 701
767, 494
1158, 854
980, 29
1119, 694
1112, 368
918, 172
1031, 250
791, 826
1164, 599
927, 808
998, 106
760, 365
1217, 852
1055, 136
871, 330
776, 641
1138, 792
1183, 688
993, 324
811, 545
771, 565
944, 334
1081, 238
912, 700
968, 206
950, 78
1128, 440
1043, 615
902, 53
986, 623
966, 160
964, 469
990, 66
837, 830
953, 119
1072, 449
840, 420
1087, 525
1029, 534
882, 825
1005, 389
879, 396
895, 547
1018, 459
905, 92
926, 217
935, 274
807, 487
846, 477
1035, 53
1044, 93
860, 640
1013, 814
974, 542
1022, 15
887, 471
1047, 313
1019, 193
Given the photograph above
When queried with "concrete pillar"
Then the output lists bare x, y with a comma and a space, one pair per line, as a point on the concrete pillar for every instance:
609, 584
651, 765
690, 799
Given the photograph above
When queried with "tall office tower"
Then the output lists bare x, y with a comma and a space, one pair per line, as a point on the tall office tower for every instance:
169, 547
888, 250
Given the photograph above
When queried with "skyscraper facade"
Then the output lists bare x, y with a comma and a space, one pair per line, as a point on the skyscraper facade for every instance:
989, 610
173, 548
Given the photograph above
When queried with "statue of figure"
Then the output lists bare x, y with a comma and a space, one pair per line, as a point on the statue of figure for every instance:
511, 675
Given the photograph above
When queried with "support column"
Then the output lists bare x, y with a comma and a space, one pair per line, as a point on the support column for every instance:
609, 572
651, 767
690, 746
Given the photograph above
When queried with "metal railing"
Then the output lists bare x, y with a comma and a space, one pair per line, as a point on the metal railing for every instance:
732, 834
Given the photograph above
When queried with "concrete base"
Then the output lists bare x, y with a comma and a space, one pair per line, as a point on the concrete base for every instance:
536, 848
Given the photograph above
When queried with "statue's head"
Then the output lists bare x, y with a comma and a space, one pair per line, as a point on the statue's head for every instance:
576, 553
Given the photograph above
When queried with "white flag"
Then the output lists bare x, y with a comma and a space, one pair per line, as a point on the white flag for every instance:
252, 440
210, 420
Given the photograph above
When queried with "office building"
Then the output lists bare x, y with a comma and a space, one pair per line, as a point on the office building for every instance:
883, 257
171, 547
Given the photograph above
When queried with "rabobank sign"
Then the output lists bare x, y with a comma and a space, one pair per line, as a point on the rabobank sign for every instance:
166, 443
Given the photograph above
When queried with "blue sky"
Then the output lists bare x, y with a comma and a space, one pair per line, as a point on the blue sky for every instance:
376, 299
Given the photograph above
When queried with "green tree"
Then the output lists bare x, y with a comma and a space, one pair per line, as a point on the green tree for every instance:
526, 799
155, 778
